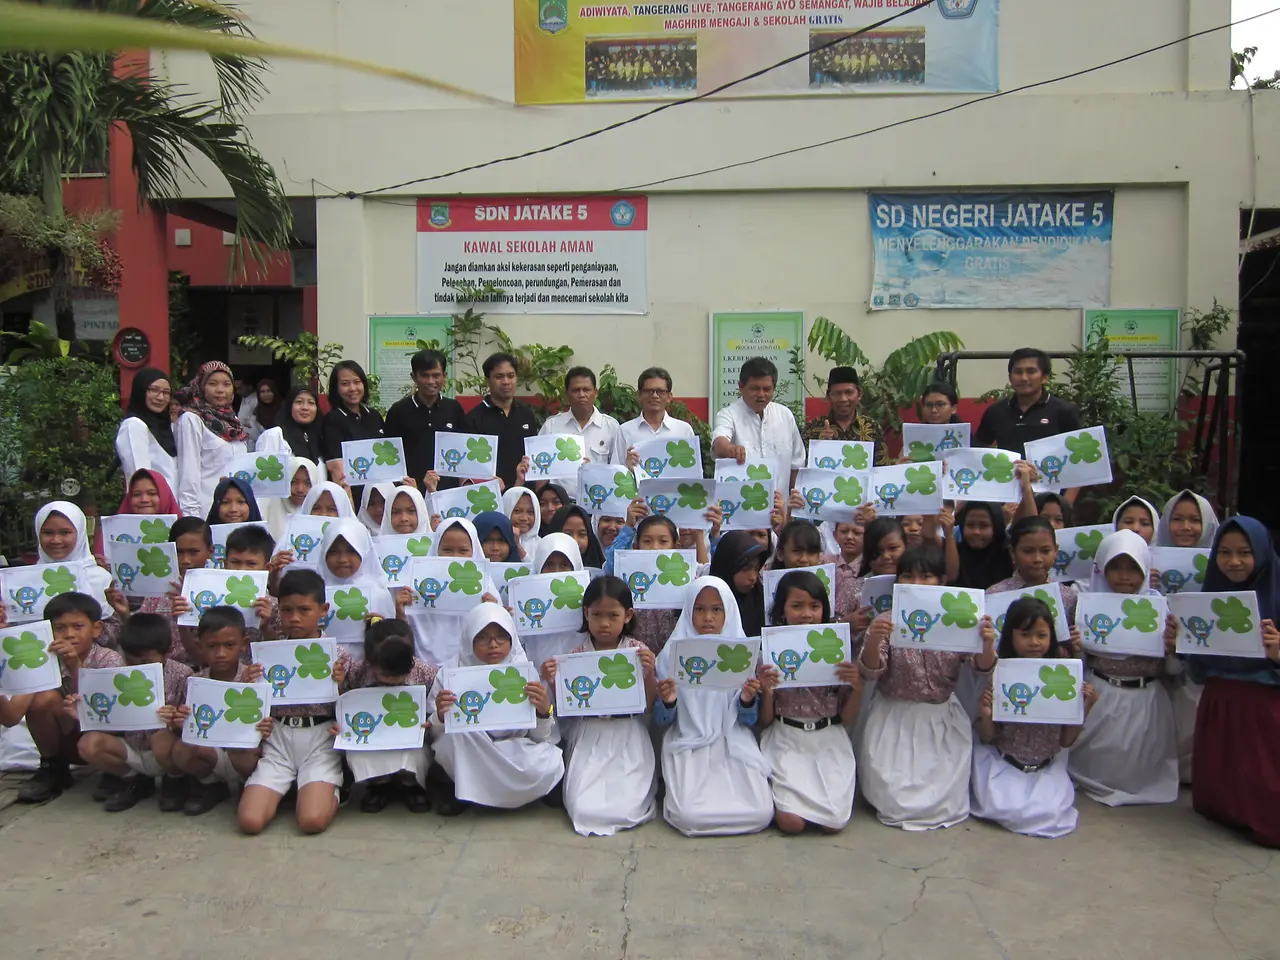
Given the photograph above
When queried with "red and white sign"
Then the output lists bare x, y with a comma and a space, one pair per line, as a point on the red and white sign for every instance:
547, 254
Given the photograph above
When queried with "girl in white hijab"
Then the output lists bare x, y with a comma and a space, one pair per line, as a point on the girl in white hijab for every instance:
435, 634
508, 769
337, 505
62, 537
303, 476
373, 520
347, 559
390, 517
526, 531
717, 778
1128, 751
1139, 516
556, 553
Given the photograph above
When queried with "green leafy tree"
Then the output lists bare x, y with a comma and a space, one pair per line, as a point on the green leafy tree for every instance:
618, 672
241, 592
1139, 615
567, 593
1232, 615
59, 580
921, 480
313, 661
465, 577
959, 610
25, 650
673, 569
692, 495
401, 710
826, 646
733, 657
152, 562
243, 706
681, 453
508, 686
135, 689
270, 469
1057, 682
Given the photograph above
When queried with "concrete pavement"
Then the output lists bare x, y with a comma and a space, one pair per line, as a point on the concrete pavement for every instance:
1131, 883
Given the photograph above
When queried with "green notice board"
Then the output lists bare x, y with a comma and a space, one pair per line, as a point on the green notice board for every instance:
394, 339
737, 337
1141, 330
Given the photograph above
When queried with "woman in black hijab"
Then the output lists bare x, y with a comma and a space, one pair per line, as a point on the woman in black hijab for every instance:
299, 424
737, 561
145, 439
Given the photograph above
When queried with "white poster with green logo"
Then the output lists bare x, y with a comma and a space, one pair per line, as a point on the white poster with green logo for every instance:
393, 340
1133, 331
737, 337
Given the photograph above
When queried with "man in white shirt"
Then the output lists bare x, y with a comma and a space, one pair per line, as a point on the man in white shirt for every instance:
654, 423
755, 426
599, 431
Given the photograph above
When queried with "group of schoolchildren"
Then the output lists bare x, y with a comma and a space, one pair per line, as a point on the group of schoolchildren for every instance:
912, 729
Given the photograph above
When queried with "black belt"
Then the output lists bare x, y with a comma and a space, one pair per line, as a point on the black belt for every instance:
810, 725
302, 723
1025, 767
1133, 683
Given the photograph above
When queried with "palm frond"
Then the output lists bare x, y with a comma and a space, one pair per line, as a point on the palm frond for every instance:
831, 343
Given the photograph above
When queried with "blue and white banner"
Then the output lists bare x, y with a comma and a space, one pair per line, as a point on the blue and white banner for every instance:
1033, 249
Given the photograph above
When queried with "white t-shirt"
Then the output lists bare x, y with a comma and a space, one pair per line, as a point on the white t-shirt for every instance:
638, 431
202, 462
774, 436
599, 437
138, 450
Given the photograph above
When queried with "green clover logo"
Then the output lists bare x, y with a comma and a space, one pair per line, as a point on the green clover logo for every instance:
567, 593
1232, 615
1084, 449
465, 577
826, 581
243, 706
997, 468
351, 604
921, 480
1047, 600
758, 471
1201, 563
625, 485
478, 449
154, 531
241, 592
508, 686
312, 661
59, 580
386, 454
733, 657
920, 451
1057, 681
826, 647
692, 495
755, 496
848, 490
959, 610
153, 563
673, 569
513, 572
567, 449
270, 468
135, 689
855, 456
25, 650
482, 500
681, 454
401, 710
618, 672
1139, 615
418, 546
1088, 542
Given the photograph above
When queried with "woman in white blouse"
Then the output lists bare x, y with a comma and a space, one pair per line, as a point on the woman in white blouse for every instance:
209, 435
145, 440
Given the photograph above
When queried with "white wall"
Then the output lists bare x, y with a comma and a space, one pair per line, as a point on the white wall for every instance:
791, 232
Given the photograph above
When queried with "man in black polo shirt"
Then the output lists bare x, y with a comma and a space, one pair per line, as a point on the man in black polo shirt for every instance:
1032, 413
500, 415
415, 419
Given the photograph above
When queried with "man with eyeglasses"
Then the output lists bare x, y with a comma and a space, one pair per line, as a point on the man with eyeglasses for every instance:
843, 421
654, 423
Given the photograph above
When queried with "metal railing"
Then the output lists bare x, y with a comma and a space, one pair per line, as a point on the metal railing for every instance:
1216, 424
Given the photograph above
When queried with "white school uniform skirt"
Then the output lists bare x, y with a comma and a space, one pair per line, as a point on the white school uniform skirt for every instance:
371, 764
1039, 804
813, 772
507, 773
711, 793
609, 781
1184, 694
1127, 752
915, 761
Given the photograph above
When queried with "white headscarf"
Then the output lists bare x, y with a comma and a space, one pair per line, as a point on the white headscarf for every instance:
277, 510
357, 537
705, 716
477, 551
827, 530
557, 543
362, 514
1136, 501
528, 541
1208, 520
419, 504
94, 581
340, 499
475, 621
1121, 543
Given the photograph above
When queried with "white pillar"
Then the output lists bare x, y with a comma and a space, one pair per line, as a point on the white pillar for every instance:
342, 275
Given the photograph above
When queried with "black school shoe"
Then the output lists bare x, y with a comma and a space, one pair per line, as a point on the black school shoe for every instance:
135, 790
377, 794
173, 793
108, 784
203, 797
48, 782
446, 802
415, 798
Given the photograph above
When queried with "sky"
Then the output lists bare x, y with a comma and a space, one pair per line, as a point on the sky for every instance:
1263, 33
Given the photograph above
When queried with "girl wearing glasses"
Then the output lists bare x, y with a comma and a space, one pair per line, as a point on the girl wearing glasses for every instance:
145, 438
938, 403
